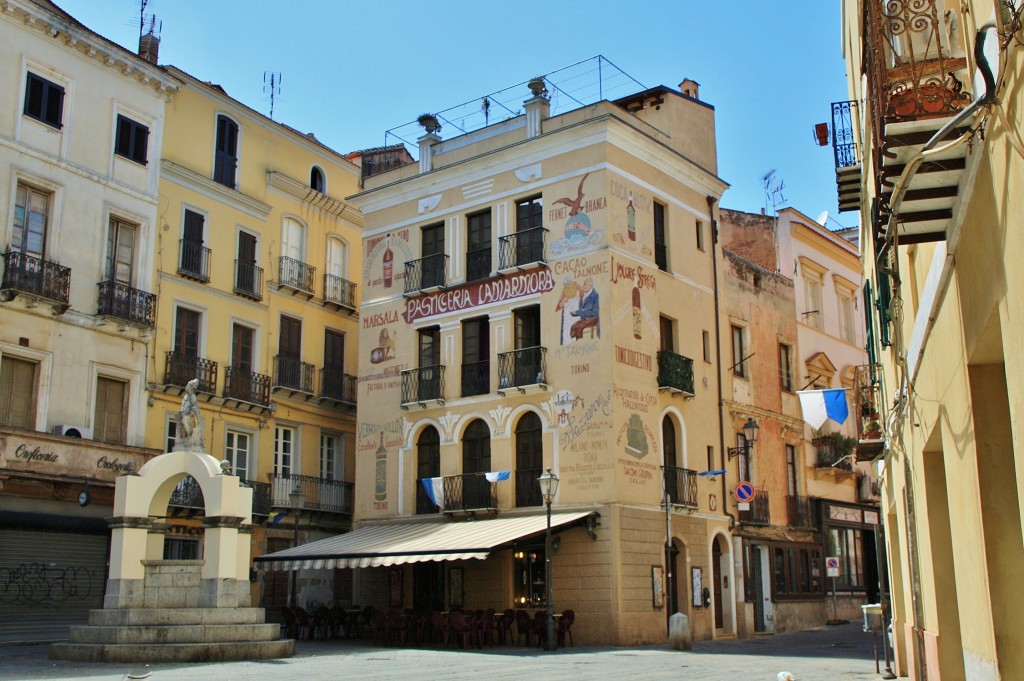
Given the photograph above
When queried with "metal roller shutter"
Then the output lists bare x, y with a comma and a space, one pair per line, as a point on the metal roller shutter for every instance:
49, 581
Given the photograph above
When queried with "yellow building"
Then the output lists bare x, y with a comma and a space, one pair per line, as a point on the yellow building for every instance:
929, 151
255, 260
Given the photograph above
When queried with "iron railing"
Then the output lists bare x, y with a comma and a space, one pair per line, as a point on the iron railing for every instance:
329, 496
800, 510
247, 386
28, 274
426, 273
248, 280
261, 500
681, 484
340, 292
336, 385
296, 274
759, 512
181, 367
478, 264
423, 384
527, 487
522, 367
121, 301
193, 260
521, 248
675, 372
476, 378
294, 374
469, 492
844, 144
187, 495
867, 395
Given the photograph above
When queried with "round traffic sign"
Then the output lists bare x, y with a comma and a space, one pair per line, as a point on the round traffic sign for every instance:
744, 491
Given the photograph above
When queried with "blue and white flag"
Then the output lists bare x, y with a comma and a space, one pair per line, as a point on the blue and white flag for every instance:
820, 405
435, 490
495, 476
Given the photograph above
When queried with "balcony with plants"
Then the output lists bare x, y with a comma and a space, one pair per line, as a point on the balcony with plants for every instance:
675, 373
868, 398
834, 450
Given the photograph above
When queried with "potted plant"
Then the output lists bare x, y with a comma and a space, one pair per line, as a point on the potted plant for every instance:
538, 86
872, 428
429, 122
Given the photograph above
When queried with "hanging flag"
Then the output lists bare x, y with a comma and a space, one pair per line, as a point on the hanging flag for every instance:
435, 490
277, 517
495, 476
820, 405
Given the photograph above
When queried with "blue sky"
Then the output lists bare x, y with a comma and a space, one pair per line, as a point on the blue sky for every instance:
352, 70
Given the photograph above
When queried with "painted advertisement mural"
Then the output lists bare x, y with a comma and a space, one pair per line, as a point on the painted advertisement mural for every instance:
581, 231
583, 428
386, 256
376, 444
384, 372
631, 219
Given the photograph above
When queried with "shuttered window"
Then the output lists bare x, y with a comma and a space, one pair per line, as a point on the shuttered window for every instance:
120, 251
241, 350
132, 139
334, 350
111, 410
17, 392
290, 343
186, 333
31, 215
44, 100
226, 159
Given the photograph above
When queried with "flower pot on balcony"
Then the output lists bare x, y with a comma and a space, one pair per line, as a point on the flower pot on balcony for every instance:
429, 122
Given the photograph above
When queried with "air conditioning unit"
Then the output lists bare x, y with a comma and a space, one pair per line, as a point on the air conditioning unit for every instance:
869, 489
73, 431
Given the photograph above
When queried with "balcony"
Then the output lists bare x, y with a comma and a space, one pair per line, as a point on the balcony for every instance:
681, 485
470, 493
426, 273
339, 293
423, 385
917, 82
527, 487
478, 264
261, 498
130, 305
834, 450
476, 378
248, 280
867, 387
522, 250
193, 260
338, 386
758, 513
291, 373
675, 373
326, 496
247, 387
847, 157
180, 368
187, 498
800, 511
296, 276
36, 278
524, 369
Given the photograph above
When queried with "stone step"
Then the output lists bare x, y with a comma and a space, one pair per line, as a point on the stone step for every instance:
173, 652
179, 633
175, 616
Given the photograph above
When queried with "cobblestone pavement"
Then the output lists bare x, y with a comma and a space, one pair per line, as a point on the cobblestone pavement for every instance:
839, 653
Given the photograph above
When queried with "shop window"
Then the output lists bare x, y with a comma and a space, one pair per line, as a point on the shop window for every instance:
530, 587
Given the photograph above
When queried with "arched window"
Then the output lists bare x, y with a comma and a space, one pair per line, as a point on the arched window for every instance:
317, 180
428, 465
529, 460
674, 478
476, 460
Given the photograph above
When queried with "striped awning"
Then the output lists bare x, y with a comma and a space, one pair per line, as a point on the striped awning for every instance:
395, 544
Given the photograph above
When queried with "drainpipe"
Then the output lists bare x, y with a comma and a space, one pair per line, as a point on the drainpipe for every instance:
718, 359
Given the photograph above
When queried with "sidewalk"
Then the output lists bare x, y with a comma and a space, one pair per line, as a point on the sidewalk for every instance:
828, 654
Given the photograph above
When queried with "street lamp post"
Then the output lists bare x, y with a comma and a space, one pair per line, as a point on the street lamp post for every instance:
548, 486
298, 499
750, 430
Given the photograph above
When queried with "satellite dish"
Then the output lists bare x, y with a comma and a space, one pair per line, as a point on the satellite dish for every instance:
822, 218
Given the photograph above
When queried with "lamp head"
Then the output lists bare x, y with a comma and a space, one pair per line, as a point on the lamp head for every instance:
548, 485
297, 496
750, 429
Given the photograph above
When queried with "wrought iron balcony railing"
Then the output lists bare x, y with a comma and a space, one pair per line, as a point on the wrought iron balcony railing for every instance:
248, 280
121, 301
181, 367
478, 264
470, 492
336, 385
296, 275
423, 384
522, 248
193, 260
527, 487
867, 395
800, 511
339, 292
28, 274
844, 144
675, 372
293, 374
758, 514
247, 386
261, 500
681, 484
428, 272
476, 378
328, 496
523, 367
187, 496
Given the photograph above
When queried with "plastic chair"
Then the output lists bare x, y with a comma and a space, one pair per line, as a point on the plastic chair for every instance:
460, 628
540, 626
505, 632
524, 626
565, 626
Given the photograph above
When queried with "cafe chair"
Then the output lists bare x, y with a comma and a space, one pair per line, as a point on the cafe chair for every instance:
565, 626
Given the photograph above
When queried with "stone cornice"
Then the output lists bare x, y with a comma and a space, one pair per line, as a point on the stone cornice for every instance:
192, 180
305, 194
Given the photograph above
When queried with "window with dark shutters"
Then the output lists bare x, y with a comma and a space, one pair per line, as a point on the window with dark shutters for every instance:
132, 139
17, 392
226, 158
44, 100
291, 338
186, 333
241, 350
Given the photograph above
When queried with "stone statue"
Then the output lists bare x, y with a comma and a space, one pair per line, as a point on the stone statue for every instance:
190, 421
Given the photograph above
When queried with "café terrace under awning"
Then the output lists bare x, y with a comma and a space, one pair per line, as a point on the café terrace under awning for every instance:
381, 545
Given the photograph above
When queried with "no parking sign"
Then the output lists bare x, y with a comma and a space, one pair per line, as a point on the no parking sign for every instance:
832, 566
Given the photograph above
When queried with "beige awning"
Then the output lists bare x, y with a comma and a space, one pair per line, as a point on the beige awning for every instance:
377, 545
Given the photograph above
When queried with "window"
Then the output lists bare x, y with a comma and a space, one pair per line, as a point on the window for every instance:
332, 463
529, 460
529, 365
476, 365
428, 465
847, 328
700, 235
17, 392
529, 230
660, 244
711, 458
813, 314
786, 367
293, 239
172, 432
429, 385
284, 448
226, 155
336, 257
178, 548
797, 571
316, 180
739, 352
132, 139
289, 353
120, 251
530, 576
791, 481
705, 337
668, 341
31, 218
333, 383
111, 410
246, 280
478, 249
743, 458
845, 543
476, 459
432, 273
241, 383
192, 245
186, 346
44, 100
237, 449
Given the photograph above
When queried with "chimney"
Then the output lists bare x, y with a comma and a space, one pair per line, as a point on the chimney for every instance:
690, 88
427, 143
149, 44
537, 107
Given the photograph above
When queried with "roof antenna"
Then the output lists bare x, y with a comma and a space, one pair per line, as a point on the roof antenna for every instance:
272, 86
773, 187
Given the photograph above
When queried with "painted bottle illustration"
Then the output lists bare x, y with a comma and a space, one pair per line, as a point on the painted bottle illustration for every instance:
380, 489
636, 311
389, 265
631, 220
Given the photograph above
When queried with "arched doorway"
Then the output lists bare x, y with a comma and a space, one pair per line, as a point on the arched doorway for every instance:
716, 567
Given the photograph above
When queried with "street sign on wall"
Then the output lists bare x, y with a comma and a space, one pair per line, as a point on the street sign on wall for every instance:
832, 566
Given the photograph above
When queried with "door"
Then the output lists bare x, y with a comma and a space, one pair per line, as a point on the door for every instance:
428, 586
430, 364
433, 256
192, 244
292, 237
757, 582
120, 251
289, 353
476, 367
529, 237
185, 365
334, 365
528, 368
17, 392
716, 567
245, 276
476, 460
111, 410
241, 363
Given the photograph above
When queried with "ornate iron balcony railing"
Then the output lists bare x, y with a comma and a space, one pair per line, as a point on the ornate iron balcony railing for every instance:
426, 273
329, 496
522, 367
476, 378
681, 484
188, 496
121, 301
522, 248
478, 264
180, 368
248, 280
293, 374
261, 501
336, 385
844, 144
423, 384
193, 260
340, 292
759, 512
296, 274
469, 492
247, 386
675, 372
28, 274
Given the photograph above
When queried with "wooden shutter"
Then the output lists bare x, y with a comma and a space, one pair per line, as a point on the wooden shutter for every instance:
17, 392
433, 240
241, 350
334, 349
111, 410
120, 251
31, 210
246, 248
186, 332
193, 232
290, 343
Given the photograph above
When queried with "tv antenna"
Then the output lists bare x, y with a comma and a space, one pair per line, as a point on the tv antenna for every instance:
272, 87
144, 18
773, 187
